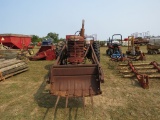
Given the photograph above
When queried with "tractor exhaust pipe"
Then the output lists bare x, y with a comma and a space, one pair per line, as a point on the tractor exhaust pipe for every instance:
82, 30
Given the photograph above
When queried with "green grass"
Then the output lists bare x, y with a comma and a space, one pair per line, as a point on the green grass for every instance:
26, 97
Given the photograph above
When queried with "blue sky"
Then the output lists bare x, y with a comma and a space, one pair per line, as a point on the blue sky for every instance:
102, 17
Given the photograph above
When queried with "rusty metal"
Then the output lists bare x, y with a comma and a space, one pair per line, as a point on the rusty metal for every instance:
72, 80
140, 57
58, 97
75, 51
142, 71
155, 64
141, 41
82, 30
70, 76
142, 78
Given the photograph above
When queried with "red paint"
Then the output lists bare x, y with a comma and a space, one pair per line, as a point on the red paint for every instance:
15, 41
125, 39
45, 53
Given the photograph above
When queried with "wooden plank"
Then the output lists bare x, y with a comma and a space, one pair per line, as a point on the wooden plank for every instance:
14, 70
9, 53
129, 76
12, 66
9, 63
12, 74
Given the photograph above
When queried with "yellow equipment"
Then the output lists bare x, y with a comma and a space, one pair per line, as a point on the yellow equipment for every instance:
132, 48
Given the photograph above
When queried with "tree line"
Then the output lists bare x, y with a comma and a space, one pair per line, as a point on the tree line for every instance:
55, 38
52, 36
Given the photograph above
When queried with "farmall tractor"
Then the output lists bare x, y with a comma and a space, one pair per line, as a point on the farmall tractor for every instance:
72, 75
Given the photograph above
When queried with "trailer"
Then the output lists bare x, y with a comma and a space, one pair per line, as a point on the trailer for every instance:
15, 41
153, 46
141, 41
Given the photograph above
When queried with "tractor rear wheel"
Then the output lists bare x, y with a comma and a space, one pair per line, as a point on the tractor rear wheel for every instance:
96, 47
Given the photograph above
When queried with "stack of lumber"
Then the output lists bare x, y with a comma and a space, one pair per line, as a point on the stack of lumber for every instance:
9, 53
11, 67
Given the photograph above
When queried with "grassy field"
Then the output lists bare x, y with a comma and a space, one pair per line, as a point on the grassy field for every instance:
26, 97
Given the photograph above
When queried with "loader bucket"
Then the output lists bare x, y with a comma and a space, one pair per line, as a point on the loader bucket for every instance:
75, 80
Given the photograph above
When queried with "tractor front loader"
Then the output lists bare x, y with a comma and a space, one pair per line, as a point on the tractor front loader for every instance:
72, 75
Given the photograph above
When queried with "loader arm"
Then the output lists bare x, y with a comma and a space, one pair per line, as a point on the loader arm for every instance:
94, 58
62, 56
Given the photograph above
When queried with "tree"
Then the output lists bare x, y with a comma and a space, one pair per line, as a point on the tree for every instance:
54, 36
35, 38
61, 39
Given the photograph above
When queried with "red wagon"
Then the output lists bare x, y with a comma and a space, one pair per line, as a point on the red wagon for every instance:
15, 41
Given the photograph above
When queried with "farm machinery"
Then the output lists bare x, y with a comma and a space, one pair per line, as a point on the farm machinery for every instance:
142, 71
141, 41
114, 47
73, 76
132, 54
153, 46
132, 48
46, 51
16, 44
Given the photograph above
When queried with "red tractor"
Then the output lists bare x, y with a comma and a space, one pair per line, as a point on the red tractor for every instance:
70, 76
114, 47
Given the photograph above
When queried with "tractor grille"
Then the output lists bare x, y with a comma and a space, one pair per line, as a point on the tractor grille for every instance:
75, 51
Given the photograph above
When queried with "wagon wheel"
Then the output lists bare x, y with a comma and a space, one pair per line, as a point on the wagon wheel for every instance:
96, 47
59, 47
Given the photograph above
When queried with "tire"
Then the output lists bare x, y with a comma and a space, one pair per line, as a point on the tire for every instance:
96, 47
155, 52
59, 47
107, 52
151, 52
